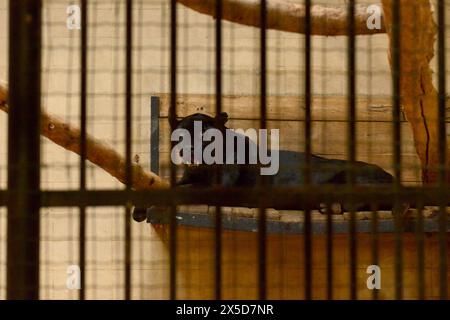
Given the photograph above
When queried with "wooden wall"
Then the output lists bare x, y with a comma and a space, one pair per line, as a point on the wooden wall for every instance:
285, 265
329, 128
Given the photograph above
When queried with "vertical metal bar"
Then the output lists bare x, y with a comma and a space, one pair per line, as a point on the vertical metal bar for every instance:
83, 113
307, 168
398, 251
329, 253
420, 252
396, 115
375, 253
352, 141
397, 146
442, 152
154, 135
262, 276
24, 149
128, 141
218, 213
172, 119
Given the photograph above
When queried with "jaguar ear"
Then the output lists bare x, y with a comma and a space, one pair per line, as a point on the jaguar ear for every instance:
221, 118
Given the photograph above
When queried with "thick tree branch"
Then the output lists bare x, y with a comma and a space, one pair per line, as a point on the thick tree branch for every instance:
286, 16
418, 95
99, 153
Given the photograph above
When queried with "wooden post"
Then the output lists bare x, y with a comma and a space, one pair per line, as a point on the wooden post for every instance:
418, 96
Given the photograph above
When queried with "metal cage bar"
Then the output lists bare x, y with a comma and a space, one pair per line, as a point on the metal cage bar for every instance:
443, 245
23, 226
218, 173
172, 119
83, 114
262, 254
351, 78
307, 168
329, 253
128, 141
396, 113
285, 198
420, 238
374, 244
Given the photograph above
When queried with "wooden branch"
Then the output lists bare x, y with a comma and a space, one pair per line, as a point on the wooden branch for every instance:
286, 16
99, 153
418, 96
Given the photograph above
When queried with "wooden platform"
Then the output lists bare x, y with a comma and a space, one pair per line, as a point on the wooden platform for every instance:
292, 222
285, 264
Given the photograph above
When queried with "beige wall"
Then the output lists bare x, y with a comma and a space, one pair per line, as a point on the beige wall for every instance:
106, 115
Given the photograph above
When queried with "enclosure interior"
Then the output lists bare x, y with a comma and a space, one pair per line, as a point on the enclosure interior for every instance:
196, 72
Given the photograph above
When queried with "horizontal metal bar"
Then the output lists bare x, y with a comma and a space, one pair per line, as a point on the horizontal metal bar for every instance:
280, 198
236, 223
